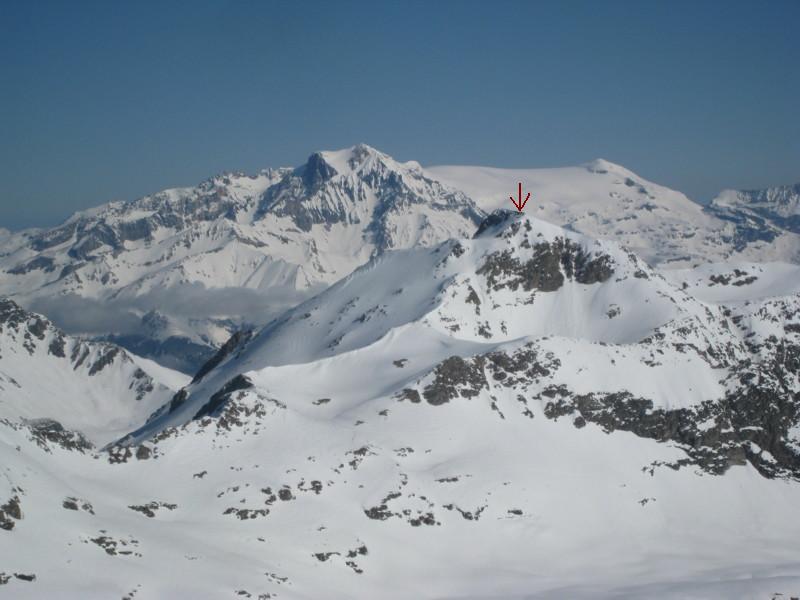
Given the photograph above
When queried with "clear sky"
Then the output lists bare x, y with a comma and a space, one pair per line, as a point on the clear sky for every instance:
113, 100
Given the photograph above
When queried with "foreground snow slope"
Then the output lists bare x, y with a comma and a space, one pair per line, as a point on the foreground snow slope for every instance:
295, 501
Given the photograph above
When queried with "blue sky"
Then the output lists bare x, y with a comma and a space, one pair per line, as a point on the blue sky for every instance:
113, 100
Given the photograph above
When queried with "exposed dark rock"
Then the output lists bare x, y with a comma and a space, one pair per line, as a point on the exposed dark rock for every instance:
71, 503
119, 454
411, 395
48, 431
324, 556
455, 377
236, 341
53, 237
493, 220
424, 519
244, 514
143, 452
105, 359
546, 271
150, 509
112, 546
177, 400
472, 298
382, 512
10, 512
40, 263
57, 345
240, 382
466, 514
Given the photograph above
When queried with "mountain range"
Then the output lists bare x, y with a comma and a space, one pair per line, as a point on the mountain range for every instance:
171, 276
398, 388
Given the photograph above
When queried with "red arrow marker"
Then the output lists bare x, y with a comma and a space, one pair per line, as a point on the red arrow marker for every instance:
521, 203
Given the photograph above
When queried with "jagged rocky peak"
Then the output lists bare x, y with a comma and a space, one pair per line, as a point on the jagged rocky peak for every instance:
15, 319
362, 186
322, 166
316, 171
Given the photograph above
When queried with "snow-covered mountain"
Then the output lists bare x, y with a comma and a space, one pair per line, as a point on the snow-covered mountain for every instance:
207, 259
759, 215
97, 388
523, 412
663, 226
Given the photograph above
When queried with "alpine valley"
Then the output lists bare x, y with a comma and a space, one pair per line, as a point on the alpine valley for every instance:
362, 378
